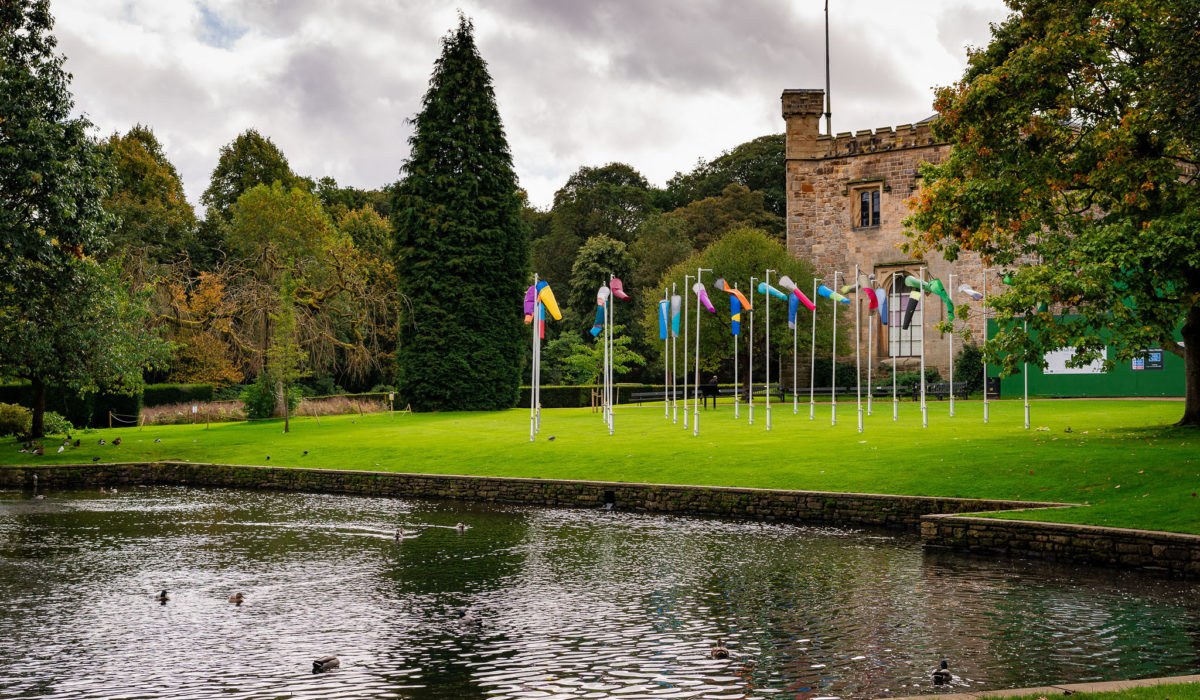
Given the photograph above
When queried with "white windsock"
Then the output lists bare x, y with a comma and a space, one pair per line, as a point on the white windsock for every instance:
966, 289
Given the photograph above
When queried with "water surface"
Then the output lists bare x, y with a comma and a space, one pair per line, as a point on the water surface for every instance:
535, 603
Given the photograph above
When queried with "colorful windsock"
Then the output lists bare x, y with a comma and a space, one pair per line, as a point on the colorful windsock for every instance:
788, 285
914, 298
664, 309
936, 287
530, 301
702, 295
881, 295
735, 314
618, 289
764, 288
601, 301
676, 305
793, 307
546, 296
830, 294
966, 289
723, 286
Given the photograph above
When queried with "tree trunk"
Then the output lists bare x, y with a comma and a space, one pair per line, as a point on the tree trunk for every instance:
1191, 369
38, 426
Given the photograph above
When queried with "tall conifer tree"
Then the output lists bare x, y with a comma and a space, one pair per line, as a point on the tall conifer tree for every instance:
462, 248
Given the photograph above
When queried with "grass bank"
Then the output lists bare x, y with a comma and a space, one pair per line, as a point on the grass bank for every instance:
1166, 691
1113, 455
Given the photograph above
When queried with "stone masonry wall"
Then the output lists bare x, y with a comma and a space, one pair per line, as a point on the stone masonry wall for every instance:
759, 504
1163, 552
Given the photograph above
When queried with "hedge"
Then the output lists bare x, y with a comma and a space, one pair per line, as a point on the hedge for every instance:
164, 394
83, 410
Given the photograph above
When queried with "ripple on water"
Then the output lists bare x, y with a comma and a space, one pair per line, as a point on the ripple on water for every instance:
533, 602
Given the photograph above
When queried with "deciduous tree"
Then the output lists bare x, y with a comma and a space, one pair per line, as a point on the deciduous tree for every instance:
1074, 166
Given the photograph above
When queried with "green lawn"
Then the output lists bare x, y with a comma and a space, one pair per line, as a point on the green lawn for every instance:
1178, 691
1116, 457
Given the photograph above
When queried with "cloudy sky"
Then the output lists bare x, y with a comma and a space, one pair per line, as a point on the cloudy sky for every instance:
657, 84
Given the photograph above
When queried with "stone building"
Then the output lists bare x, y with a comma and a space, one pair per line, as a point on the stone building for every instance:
846, 201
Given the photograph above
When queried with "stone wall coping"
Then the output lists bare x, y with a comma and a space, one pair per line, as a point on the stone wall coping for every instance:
1000, 504
1062, 689
1073, 528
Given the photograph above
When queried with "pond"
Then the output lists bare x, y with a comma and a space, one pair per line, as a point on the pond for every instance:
535, 602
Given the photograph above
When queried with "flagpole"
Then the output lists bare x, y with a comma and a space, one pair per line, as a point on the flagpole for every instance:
1025, 373
666, 351
674, 367
983, 314
533, 368
812, 357
696, 387
612, 316
539, 321
924, 408
750, 342
686, 288
833, 358
895, 398
950, 292
795, 389
768, 353
737, 394
871, 340
858, 347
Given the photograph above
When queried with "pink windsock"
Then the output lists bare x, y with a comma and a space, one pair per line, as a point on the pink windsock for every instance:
702, 295
618, 289
786, 282
871, 298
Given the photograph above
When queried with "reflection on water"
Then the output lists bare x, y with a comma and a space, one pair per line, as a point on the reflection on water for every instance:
534, 603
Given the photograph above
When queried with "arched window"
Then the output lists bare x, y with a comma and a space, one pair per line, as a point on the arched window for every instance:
903, 343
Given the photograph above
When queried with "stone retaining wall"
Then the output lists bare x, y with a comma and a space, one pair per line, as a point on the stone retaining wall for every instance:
760, 504
940, 520
1163, 552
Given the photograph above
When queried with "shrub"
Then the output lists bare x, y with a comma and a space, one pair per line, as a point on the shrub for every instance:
846, 373
14, 419
909, 382
259, 398
55, 424
968, 368
181, 413
162, 394
341, 405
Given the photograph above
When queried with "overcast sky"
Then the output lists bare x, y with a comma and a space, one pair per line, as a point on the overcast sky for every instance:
657, 84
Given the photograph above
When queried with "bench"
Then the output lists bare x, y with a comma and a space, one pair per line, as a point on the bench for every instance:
661, 395
941, 390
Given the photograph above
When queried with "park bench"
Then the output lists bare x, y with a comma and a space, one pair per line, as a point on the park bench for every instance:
660, 395
941, 390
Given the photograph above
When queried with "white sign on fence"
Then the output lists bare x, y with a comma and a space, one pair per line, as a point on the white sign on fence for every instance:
1056, 363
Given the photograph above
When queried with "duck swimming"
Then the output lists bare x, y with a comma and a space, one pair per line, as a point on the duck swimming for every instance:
719, 651
237, 598
325, 663
941, 675
162, 597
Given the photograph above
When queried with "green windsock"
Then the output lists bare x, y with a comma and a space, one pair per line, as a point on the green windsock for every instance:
935, 287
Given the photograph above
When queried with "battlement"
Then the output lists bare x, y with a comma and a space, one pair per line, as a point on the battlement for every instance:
802, 110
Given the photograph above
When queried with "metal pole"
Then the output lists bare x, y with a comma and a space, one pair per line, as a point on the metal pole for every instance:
666, 351
750, 342
812, 355
951, 293
858, 348
674, 370
533, 368
895, 398
833, 358
870, 343
696, 398
612, 316
768, 353
737, 395
1025, 376
539, 318
795, 389
686, 292
983, 313
924, 408
828, 97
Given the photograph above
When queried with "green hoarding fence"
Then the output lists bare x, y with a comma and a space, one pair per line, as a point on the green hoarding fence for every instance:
1158, 373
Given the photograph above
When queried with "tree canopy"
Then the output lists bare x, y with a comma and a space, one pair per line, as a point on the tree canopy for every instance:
1074, 167
462, 249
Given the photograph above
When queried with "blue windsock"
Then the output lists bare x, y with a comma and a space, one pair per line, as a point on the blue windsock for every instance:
676, 305
663, 309
830, 294
735, 315
883, 305
793, 307
764, 288
598, 324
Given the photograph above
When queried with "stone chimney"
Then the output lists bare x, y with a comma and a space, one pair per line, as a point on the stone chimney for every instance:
802, 110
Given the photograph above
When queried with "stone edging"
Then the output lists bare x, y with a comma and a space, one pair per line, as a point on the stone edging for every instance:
1063, 689
1162, 552
943, 522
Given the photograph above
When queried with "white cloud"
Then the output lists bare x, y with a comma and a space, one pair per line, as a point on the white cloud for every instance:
656, 85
